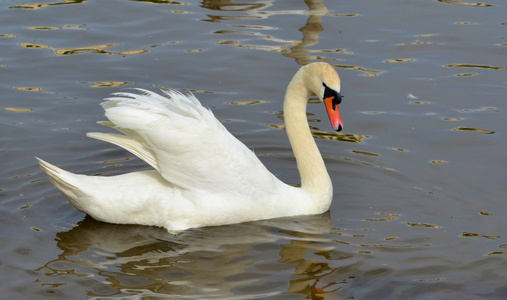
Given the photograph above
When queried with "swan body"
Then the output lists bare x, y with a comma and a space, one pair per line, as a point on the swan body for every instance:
202, 175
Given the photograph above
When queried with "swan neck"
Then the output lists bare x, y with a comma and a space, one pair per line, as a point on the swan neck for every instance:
314, 176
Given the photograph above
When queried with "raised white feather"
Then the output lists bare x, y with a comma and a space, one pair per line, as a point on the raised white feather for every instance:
203, 175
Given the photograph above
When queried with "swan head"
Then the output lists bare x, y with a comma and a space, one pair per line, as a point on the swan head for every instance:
323, 81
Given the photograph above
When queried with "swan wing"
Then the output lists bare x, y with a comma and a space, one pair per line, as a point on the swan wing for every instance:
132, 143
183, 141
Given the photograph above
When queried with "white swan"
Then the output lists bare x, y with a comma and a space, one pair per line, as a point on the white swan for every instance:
203, 175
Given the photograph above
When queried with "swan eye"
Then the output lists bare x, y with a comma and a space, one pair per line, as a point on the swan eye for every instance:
330, 93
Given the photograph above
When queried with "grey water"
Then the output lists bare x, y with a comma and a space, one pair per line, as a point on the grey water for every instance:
419, 172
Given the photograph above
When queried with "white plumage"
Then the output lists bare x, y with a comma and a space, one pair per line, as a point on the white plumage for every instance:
203, 175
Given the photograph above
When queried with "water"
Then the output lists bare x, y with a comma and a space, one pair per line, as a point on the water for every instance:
419, 172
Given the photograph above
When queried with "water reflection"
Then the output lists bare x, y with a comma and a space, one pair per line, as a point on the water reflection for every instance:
466, 3
42, 5
486, 67
101, 84
298, 50
228, 5
311, 31
163, 2
474, 130
98, 49
216, 262
251, 9
227, 10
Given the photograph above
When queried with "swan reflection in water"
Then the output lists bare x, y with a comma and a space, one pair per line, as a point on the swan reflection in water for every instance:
264, 258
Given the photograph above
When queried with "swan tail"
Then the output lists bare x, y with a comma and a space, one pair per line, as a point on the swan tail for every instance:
65, 181
134, 145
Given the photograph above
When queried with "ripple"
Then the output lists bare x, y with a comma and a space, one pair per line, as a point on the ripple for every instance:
79, 27
164, 2
250, 102
480, 109
465, 3
472, 234
342, 137
416, 42
253, 47
398, 60
30, 89
97, 49
364, 153
240, 32
398, 149
254, 27
486, 67
17, 109
436, 161
366, 72
43, 5
341, 51
388, 218
465, 23
180, 12
34, 46
425, 225
474, 130
108, 84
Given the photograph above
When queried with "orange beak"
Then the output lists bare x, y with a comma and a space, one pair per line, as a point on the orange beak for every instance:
333, 112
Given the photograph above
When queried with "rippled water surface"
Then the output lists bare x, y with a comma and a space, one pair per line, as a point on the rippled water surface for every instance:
419, 209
